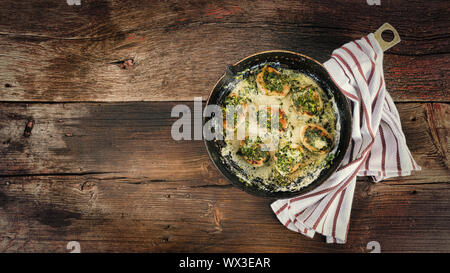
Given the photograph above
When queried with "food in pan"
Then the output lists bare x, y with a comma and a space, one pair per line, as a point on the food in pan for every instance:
296, 134
239, 105
306, 100
265, 115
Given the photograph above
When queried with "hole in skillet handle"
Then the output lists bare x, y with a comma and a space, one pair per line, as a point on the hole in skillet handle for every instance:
230, 72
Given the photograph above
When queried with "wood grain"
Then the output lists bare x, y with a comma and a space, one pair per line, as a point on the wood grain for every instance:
74, 53
44, 213
134, 140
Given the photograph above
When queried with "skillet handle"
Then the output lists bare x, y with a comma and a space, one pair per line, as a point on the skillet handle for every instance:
383, 44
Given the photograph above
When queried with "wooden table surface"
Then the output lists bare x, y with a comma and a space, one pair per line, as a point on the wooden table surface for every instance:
95, 84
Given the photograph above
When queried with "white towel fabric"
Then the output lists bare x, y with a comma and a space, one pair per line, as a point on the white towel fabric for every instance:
377, 149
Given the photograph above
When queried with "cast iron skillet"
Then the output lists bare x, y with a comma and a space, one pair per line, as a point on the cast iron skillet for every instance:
303, 64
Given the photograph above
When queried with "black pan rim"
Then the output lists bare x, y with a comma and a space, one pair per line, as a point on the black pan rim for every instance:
345, 108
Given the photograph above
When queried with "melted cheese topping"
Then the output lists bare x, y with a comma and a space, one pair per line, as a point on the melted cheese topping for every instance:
267, 176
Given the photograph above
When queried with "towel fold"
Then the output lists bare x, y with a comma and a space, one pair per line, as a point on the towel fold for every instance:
378, 147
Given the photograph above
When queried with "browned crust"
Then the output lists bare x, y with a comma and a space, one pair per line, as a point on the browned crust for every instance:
241, 117
282, 117
256, 163
316, 96
304, 139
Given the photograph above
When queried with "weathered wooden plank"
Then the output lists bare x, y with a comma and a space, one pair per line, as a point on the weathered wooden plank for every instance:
133, 140
179, 50
44, 213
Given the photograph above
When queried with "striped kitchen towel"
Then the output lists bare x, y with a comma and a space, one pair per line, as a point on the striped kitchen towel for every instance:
377, 149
